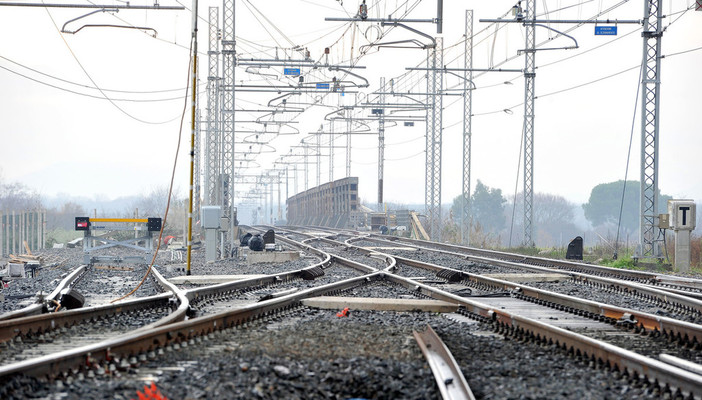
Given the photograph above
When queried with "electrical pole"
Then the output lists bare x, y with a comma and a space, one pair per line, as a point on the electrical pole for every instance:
331, 151
211, 150
467, 128
528, 19
650, 101
381, 143
528, 130
189, 238
228, 135
433, 139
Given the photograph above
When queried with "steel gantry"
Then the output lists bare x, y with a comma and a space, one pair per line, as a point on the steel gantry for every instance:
650, 83
467, 128
650, 101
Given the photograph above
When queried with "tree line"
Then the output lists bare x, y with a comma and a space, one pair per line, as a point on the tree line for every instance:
497, 221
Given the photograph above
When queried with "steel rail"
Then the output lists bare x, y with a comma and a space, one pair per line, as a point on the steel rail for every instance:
183, 302
688, 383
140, 342
449, 378
690, 332
691, 283
38, 307
387, 258
37, 324
646, 276
684, 302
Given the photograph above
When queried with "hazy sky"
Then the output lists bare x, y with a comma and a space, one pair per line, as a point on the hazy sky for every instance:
57, 141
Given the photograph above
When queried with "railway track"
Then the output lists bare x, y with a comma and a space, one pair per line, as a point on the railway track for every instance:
688, 286
537, 318
675, 303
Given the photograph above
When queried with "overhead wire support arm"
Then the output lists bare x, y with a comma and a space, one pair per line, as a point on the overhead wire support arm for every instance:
366, 84
121, 7
110, 9
283, 64
563, 21
389, 20
420, 33
466, 69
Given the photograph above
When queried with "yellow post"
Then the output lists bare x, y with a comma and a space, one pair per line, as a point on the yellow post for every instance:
192, 138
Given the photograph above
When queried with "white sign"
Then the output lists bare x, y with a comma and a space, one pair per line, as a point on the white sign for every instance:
682, 214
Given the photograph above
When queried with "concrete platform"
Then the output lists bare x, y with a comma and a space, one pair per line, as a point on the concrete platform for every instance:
379, 304
521, 278
255, 257
211, 279
381, 249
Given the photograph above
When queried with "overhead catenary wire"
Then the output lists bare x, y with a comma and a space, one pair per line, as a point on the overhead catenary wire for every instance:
628, 158
170, 191
95, 84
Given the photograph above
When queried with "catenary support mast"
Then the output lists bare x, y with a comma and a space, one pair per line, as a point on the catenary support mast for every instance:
650, 101
467, 128
228, 135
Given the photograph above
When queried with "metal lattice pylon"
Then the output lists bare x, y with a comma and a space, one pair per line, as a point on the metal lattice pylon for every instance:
228, 135
381, 143
433, 139
197, 193
528, 129
467, 128
212, 139
650, 99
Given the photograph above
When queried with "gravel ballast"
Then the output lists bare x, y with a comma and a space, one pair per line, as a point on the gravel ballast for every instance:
372, 355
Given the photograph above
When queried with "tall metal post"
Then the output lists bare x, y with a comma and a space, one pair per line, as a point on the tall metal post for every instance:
650, 99
295, 180
381, 143
43, 229
433, 140
467, 128
349, 126
280, 206
228, 135
193, 88
211, 150
307, 169
265, 204
528, 129
331, 151
198, 157
318, 163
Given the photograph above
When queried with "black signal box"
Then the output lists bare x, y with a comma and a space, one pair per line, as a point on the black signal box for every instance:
82, 223
153, 224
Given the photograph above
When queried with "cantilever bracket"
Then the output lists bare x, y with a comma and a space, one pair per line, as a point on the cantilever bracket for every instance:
554, 48
352, 74
63, 28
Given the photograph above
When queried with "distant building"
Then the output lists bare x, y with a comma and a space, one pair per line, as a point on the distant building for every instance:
334, 204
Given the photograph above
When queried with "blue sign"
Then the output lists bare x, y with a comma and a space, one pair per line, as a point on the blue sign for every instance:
291, 71
605, 31
322, 86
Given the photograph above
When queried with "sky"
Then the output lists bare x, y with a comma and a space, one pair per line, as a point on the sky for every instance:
58, 142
